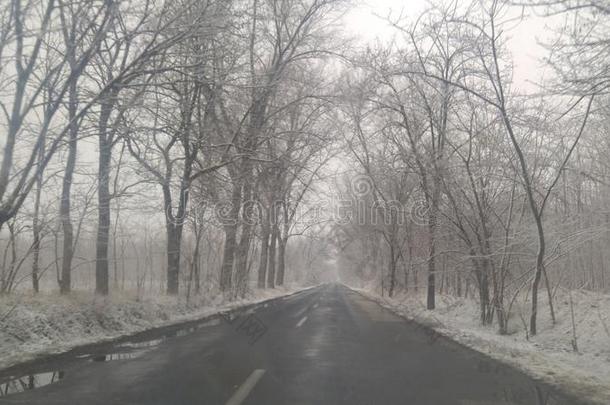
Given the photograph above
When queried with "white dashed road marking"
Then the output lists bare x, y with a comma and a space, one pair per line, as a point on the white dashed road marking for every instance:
242, 392
301, 322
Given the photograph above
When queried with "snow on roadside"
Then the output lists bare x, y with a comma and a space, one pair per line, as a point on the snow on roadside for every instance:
36, 325
548, 356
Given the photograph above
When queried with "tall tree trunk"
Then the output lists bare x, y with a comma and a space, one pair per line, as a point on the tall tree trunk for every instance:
484, 294
174, 239
241, 266
392, 270
262, 267
537, 276
65, 204
281, 260
197, 260
35, 255
282, 242
103, 198
36, 228
272, 253
243, 248
431, 295
175, 225
115, 262
231, 224
410, 265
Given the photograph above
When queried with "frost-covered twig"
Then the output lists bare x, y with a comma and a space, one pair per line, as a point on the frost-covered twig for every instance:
8, 313
603, 323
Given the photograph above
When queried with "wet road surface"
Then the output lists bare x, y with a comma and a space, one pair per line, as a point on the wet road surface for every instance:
327, 345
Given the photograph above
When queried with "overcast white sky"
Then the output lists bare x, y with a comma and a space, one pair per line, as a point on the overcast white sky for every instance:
363, 19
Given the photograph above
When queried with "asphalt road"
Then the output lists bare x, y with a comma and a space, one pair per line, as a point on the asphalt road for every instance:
327, 345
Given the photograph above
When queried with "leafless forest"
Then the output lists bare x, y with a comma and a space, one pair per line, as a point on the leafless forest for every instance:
214, 147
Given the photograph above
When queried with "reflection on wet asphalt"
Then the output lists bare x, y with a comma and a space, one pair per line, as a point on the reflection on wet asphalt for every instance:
30, 382
128, 350
348, 351
118, 356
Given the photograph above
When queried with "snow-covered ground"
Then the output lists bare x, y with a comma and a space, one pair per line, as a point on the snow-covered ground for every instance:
35, 325
548, 356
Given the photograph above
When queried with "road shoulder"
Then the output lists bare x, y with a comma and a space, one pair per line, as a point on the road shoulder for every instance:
36, 328
579, 375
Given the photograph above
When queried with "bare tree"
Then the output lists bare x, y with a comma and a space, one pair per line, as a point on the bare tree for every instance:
41, 70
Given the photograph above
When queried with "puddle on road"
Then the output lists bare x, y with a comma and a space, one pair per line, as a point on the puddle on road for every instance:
191, 329
29, 382
133, 350
118, 356
180, 332
124, 351
142, 345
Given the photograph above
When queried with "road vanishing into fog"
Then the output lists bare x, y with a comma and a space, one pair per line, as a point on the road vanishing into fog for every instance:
326, 345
